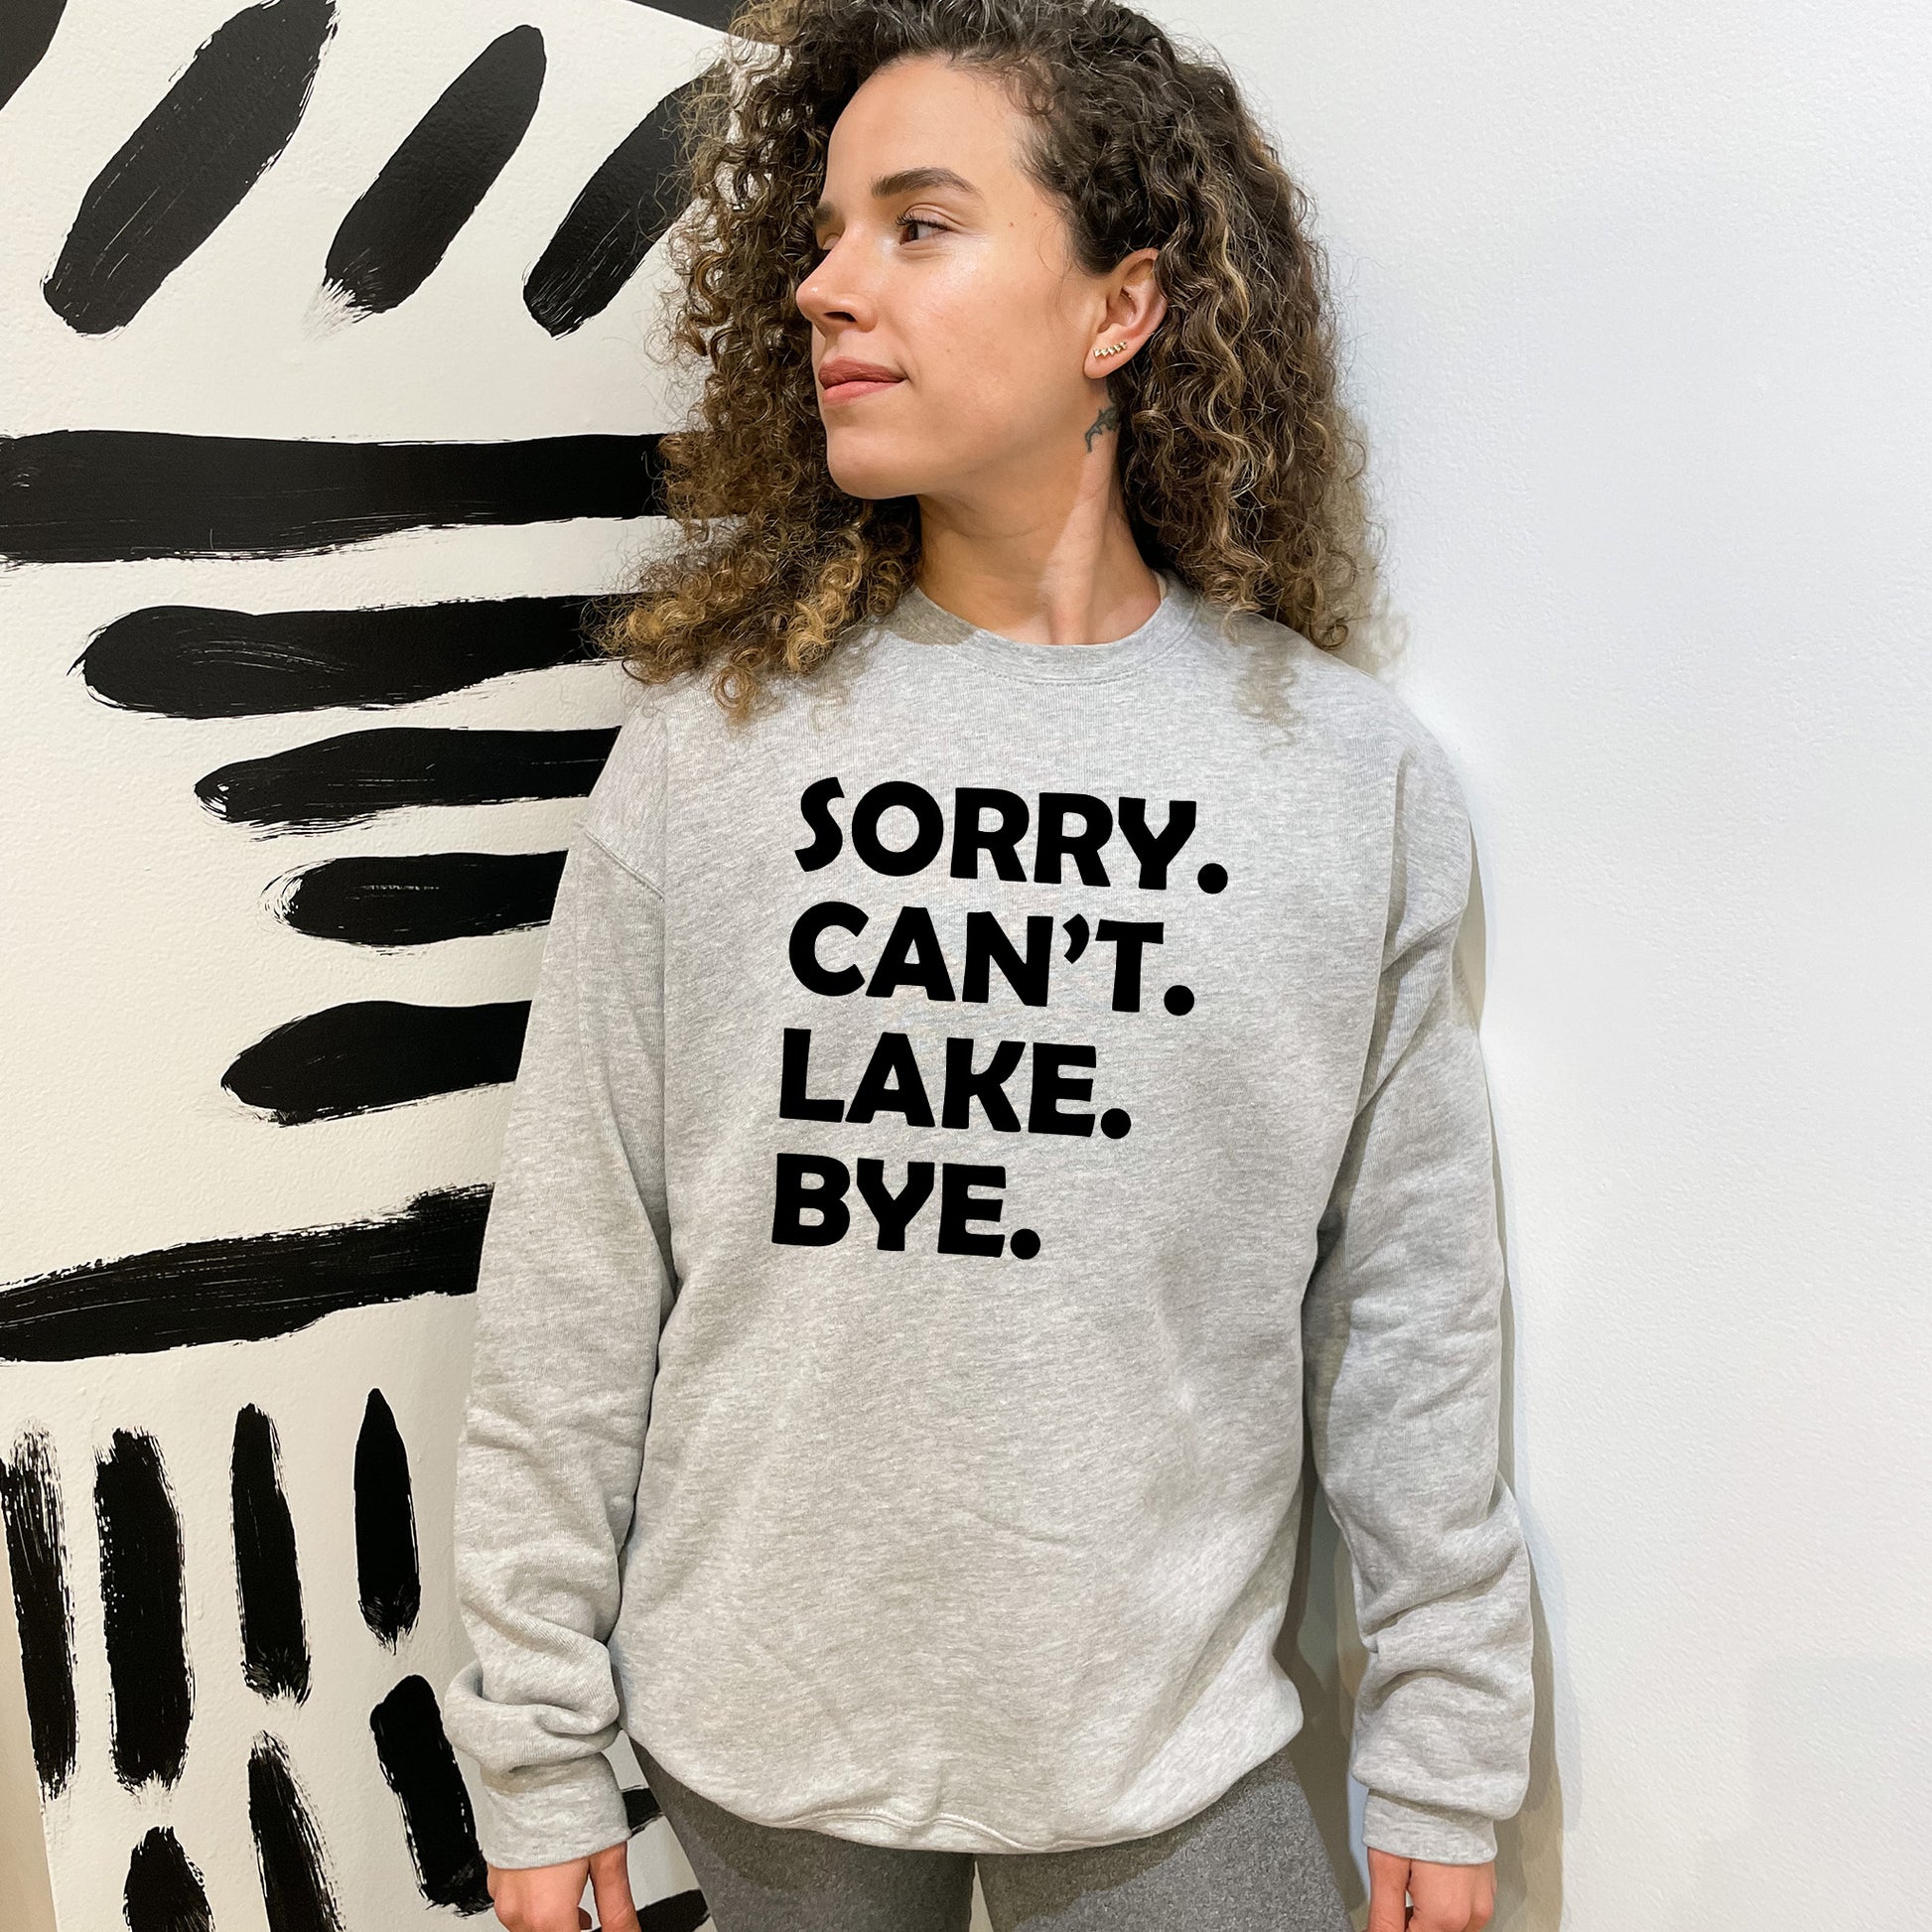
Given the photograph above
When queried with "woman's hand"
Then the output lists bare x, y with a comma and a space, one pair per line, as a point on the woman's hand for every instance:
543, 1898
1446, 1897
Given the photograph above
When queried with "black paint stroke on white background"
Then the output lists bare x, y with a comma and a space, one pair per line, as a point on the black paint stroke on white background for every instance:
26, 32
297, 1890
243, 1288
104, 495
186, 169
438, 1823
164, 1890
350, 778
144, 1612
275, 1658
191, 660
391, 240
421, 899
30, 1501
623, 212
388, 1565
368, 1054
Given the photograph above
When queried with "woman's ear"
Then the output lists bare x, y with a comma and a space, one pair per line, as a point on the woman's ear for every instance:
1135, 309
1141, 286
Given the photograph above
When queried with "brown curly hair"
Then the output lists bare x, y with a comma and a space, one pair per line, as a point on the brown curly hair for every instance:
1238, 465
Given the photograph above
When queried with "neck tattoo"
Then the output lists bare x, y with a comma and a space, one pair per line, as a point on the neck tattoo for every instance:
1109, 418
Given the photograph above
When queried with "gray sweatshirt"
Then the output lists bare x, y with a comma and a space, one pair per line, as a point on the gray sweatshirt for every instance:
965, 1116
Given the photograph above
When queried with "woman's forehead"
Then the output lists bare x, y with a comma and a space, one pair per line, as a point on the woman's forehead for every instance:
924, 113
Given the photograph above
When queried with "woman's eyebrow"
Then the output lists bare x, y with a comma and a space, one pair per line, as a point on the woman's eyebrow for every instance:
904, 182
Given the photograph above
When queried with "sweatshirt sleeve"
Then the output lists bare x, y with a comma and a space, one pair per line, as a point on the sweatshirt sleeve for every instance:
574, 1285
1401, 1326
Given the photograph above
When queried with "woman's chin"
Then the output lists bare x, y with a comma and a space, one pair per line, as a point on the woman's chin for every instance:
874, 473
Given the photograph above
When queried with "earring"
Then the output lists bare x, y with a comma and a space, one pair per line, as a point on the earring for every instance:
1115, 350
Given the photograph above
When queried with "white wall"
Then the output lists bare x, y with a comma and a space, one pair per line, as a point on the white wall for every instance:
1641, 305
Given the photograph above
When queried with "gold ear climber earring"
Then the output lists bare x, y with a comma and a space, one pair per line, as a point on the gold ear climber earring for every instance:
1115, 350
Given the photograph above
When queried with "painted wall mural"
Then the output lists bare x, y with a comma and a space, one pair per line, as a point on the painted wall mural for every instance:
323, 413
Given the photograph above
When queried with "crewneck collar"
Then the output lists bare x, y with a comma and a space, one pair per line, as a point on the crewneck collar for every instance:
918, 617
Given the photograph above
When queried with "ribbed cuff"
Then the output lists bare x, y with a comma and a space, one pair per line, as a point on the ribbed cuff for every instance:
1431, 1833
552, 1813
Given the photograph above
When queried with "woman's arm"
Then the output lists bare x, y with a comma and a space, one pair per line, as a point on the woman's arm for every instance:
1401, 1326
573, 1286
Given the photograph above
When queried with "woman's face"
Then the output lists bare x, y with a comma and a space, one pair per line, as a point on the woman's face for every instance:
946, 274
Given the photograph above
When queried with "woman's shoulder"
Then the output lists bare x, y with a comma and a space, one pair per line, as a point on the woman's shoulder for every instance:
1354, 708
626, 807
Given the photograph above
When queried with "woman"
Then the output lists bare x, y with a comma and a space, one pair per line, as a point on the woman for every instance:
996, 1056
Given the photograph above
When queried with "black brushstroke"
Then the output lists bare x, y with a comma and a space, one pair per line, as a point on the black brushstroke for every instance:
163, 1889
103, 496
707, 13
391, 240
683, 1912
182, 660
366, 1055
289, 1854
144, 1610
388, 1572
185, 170
246, 1286
26, 32
624, 209
419, 899
30, 1501
639, 1807
348, 780
437, 1818
268, 1582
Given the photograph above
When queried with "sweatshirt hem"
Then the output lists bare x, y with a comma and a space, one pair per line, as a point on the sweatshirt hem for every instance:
948, 1830
818, 1819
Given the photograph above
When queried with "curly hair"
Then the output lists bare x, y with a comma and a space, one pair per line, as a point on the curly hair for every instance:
1238, 466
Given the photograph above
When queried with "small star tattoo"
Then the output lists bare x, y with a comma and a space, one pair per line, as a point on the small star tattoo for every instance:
1109, 418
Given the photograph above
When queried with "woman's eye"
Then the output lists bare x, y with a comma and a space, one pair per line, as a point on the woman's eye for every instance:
906, 223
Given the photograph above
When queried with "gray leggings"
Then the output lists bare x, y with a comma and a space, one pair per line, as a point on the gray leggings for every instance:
1251, 1862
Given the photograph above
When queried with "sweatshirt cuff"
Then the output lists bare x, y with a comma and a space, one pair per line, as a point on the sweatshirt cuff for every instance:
1433, 1833
550, 1814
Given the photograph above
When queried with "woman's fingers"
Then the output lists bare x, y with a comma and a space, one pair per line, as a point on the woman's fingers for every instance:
1388, 1891
540, 1898
610, 1887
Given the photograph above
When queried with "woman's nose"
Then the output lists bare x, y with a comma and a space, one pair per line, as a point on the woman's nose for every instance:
833, 291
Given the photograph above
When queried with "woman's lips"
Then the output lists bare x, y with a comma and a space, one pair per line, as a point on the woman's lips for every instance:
852, 389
